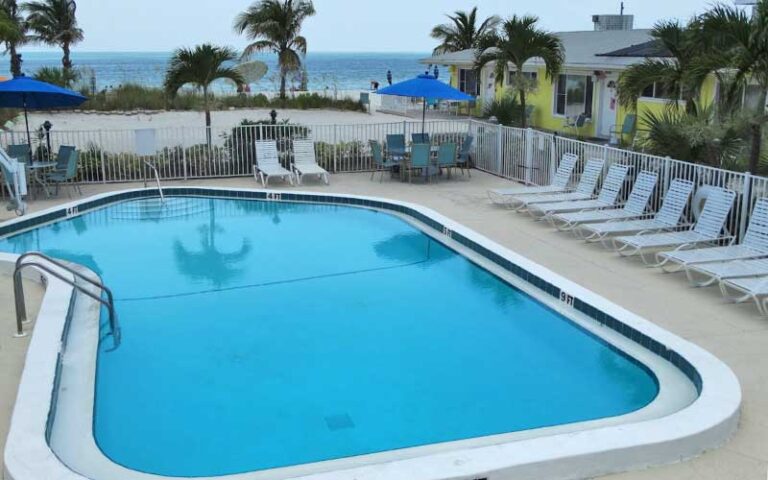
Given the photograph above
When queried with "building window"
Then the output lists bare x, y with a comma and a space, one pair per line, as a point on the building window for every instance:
753, 96
529, 76
468, 82
573, 96
657, 90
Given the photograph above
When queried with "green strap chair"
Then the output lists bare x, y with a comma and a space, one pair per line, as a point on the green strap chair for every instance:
68, 174
446, 157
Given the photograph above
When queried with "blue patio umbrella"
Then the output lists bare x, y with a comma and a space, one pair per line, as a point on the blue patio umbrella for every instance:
30, 94
426, 87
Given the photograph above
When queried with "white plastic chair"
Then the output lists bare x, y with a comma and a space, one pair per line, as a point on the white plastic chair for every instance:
705, 266
707, 230
645, 184
268, 163
585, 190
667, 218
740, 290
609, 194
559, 184
305, 163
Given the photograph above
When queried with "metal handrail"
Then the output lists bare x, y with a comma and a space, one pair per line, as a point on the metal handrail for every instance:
157, 180
18, 290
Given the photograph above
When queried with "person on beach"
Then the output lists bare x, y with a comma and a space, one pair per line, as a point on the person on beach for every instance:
389, 77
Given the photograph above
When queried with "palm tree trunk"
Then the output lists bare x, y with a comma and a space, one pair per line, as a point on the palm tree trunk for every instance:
207, 108
15, 60
283, 74
66, 61
523, 117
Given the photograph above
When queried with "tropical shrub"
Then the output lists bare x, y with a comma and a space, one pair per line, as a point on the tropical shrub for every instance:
507, 111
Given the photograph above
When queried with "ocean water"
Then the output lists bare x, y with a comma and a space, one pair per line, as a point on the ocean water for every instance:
340, 71
263, 334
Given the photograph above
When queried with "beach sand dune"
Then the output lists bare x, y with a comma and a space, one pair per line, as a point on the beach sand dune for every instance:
68, 121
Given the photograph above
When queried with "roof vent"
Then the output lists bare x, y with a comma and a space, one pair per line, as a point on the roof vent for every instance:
613, 22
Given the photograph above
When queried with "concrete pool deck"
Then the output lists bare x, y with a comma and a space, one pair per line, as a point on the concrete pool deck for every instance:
735, 334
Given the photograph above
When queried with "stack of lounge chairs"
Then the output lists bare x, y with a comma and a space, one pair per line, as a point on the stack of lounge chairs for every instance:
621, 216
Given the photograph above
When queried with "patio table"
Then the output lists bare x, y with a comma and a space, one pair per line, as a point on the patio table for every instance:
37, 172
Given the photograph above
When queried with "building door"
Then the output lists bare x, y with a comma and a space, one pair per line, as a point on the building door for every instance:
609, 106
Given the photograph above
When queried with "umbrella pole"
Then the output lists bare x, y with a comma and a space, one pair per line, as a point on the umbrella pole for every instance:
26, 121
424, 116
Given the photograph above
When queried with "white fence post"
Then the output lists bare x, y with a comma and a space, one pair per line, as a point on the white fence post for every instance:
335, 149
101, 159
552, 158
528, 154
499, 150
746, 204
184, 157
667, 173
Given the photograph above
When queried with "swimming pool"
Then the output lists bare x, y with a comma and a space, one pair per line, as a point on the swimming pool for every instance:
261, 335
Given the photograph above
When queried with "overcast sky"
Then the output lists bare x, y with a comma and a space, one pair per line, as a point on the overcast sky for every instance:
339, 25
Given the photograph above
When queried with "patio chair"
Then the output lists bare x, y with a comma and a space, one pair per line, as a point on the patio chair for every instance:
420, 160
626, 129
68, 175
446, 157
743, 289
268, 163
707, 230
609, 194
667, 218
754, 245
305, 162
62, 158
380, 164
645, 184
396, 147
420, 138
585, 190
464, 161
503, 196
576, 124
20, 152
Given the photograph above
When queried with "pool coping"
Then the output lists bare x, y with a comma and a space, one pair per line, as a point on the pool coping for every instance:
707, 423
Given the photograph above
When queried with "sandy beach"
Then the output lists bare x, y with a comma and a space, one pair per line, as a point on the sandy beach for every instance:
68, 121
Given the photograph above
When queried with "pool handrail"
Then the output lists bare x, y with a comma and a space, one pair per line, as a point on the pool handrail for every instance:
18, 290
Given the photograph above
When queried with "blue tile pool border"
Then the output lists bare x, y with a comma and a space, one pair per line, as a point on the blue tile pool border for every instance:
608, 321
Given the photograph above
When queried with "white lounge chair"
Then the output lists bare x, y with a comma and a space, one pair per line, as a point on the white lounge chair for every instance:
707, 230
754, 245
739, 290
635, 207
585, 190
705, 274
502, 196
268, 163
609, 194
305, 163
667, 218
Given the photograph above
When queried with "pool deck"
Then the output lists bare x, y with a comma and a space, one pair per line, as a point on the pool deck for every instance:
738, 335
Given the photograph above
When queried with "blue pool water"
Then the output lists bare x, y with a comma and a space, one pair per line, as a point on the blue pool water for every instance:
260, 334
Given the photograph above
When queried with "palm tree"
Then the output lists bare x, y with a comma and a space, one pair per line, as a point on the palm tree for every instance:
54, 22
200, 67
681, 75
14, 32
462, 32
518, 41
744, 41
275, 26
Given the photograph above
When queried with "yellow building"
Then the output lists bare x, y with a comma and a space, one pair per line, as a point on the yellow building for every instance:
582, 100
